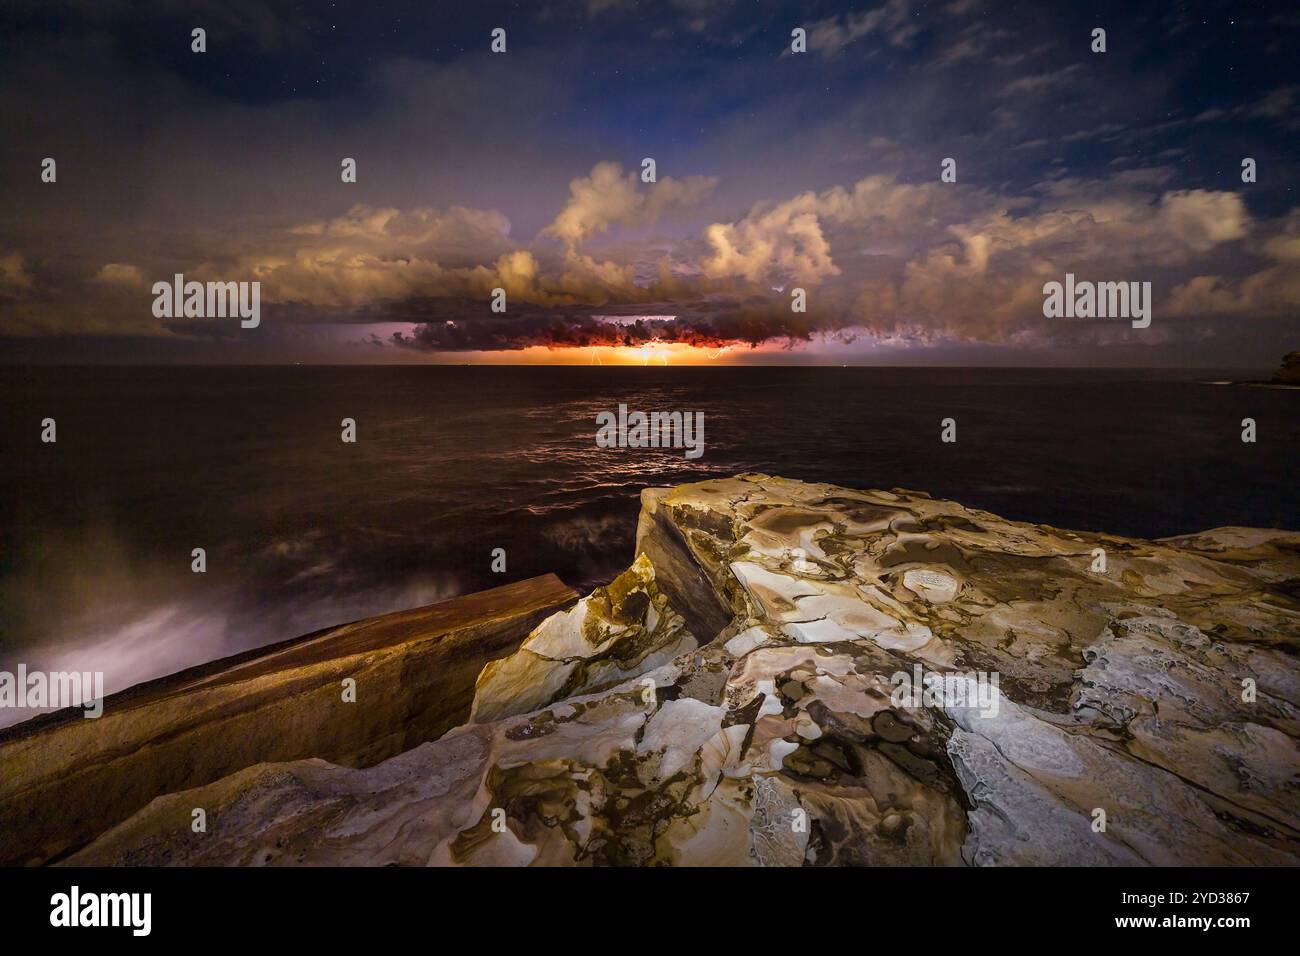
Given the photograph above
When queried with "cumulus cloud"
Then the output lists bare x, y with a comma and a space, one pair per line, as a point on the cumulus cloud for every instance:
986, 284
788, 241
930, 262
607, 196
1271, 291
900, 263
1200, 219
784, 242
373, 254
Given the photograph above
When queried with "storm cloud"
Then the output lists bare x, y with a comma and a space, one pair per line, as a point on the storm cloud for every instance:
522, 172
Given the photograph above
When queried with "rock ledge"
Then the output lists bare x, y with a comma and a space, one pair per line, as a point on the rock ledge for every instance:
740, 697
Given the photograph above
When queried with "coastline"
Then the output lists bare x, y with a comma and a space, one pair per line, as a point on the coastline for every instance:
413, 673
765, 617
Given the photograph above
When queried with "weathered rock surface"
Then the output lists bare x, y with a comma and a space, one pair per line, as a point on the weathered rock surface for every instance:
621, 630
1145, 711
65, 779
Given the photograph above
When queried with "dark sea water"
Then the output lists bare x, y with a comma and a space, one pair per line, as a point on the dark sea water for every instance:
303, 531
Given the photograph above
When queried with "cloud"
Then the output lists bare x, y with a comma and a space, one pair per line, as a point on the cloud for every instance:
920, 263
15, 280
974, 43
479, 171
788, 241
750, 325
931, 262
374, 253
457, 230
1271, 291
893, 20
899, 263
607, 197
781, 244
1200, 219
120, 274
1278, 105
1036, 84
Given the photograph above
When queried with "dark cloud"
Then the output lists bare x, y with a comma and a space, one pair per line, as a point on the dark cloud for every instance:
745, 327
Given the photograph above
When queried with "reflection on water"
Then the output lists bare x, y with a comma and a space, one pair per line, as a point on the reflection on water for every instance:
303, 531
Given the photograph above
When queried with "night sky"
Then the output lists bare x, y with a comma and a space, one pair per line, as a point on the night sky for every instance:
775, 170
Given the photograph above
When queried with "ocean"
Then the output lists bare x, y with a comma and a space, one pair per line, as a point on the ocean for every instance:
302, 530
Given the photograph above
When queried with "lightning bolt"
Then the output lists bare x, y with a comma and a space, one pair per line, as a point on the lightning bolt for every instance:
648, 353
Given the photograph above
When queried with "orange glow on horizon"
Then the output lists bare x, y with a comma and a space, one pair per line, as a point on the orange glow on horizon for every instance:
657, 355
654, 354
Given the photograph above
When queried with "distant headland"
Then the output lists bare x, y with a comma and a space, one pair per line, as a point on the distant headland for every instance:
1286, 376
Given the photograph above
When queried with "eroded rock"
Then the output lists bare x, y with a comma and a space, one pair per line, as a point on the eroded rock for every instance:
617, 632
64, 779
1147, 714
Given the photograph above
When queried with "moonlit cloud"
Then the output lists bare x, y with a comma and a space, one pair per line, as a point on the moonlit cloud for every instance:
608, 197
522, 172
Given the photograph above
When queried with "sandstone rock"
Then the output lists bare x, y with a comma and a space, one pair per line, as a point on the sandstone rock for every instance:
66, 779
619, 631
1147, 714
